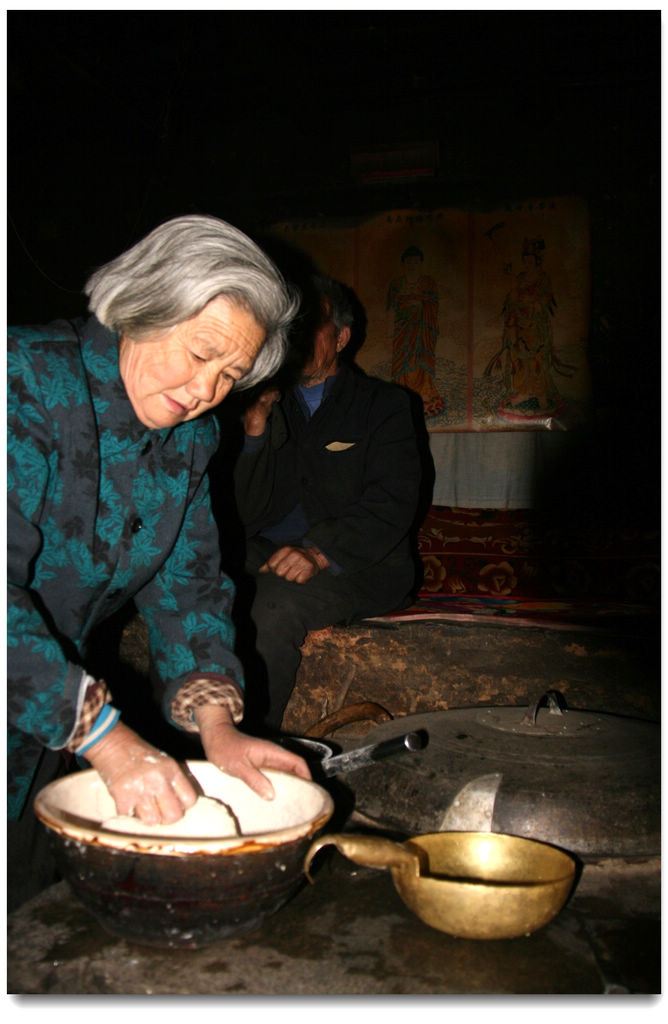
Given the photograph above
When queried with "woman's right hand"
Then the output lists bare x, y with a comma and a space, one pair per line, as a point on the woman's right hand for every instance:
142, 779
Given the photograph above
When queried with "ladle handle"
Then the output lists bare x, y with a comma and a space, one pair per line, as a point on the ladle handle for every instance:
368, 851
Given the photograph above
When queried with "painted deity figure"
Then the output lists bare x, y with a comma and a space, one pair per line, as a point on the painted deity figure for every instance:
526, 358
412, 302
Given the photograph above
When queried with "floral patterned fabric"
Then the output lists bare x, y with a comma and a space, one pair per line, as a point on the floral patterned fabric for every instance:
516, 563
100, 510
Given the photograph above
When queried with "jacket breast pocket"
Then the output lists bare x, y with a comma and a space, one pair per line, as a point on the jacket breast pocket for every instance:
341, 470
340, 446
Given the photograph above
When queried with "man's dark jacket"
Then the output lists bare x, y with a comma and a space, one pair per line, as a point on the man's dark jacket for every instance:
354, 468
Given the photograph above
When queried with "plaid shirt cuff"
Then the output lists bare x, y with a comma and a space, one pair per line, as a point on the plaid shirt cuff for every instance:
96, 696
208, 688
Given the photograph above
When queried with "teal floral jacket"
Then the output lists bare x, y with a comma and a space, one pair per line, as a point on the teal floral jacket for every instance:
100, 510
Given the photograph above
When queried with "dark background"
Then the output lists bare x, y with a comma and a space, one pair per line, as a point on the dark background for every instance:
119, 120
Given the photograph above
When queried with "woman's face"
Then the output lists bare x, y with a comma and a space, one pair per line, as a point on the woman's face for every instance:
176, 376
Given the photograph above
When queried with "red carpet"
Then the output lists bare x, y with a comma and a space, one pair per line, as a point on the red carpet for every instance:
516, 565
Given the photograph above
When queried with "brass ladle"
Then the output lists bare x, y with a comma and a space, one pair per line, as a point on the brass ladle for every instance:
475, 885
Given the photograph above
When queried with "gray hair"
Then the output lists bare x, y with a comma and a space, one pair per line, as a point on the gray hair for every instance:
340, 301
172, 273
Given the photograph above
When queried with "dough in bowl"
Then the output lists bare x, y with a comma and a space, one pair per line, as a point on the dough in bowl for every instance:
207, 818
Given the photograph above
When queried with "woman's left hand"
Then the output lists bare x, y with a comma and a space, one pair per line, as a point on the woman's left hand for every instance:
241, 755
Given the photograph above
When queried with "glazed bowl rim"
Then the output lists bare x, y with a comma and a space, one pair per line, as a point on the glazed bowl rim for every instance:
83, 830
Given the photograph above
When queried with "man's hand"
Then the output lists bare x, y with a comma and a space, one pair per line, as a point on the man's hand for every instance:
241, 755
295, 564
142, 780
257, 414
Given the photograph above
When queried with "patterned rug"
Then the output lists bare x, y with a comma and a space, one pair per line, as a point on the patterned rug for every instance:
514, 565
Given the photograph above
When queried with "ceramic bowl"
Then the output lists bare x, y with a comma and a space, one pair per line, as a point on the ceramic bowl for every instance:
184, 891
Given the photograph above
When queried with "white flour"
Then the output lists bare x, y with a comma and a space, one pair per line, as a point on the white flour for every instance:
206, 818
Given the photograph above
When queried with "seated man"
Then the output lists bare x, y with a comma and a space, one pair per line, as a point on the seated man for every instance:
327, 489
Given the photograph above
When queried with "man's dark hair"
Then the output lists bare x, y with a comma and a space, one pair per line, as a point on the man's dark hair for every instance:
340, 300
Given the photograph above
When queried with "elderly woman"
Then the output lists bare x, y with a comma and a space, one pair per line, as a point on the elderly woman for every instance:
110, 434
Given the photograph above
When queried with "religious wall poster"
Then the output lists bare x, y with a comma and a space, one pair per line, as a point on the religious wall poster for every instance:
484, 314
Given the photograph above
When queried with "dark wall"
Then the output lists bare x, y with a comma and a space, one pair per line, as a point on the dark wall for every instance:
118, 120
